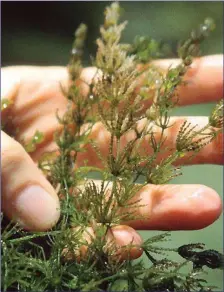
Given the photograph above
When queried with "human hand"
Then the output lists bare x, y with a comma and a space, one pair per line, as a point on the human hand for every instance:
30, 199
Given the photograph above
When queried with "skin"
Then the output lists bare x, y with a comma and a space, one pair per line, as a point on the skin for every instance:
29, 198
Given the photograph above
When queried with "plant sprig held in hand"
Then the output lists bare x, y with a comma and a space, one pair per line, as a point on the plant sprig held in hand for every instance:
76, 254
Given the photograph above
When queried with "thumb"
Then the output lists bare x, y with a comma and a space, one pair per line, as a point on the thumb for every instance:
27, 196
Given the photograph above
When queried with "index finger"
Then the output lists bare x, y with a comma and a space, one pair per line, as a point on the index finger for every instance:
204, 79
40, 86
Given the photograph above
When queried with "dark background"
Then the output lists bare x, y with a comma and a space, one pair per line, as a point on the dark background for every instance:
41, 33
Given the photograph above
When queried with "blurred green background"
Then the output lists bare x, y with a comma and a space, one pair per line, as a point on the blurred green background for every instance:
41, 33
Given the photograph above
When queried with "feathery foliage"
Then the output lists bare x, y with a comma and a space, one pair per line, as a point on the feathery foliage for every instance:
76, 254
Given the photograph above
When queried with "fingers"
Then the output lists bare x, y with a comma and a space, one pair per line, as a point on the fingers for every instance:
211, 153
27, 196
127, 240
164, 207
204, 79
176, 207
121, 242
36, 96
9, 89
36, 90
173, 207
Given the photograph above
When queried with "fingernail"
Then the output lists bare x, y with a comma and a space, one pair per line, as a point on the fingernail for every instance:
36, 209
